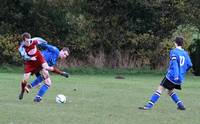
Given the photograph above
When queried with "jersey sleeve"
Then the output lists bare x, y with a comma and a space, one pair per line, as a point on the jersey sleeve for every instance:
174, 63
40, 40
50, 48
173, 55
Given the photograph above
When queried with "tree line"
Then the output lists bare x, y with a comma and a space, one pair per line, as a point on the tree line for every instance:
101, 33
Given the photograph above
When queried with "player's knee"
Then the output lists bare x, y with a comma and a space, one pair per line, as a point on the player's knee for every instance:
45, 77
48, 82
170, 92
160, 89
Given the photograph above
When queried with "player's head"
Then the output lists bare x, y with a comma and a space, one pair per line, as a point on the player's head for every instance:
26, 37
179, 41
64, 53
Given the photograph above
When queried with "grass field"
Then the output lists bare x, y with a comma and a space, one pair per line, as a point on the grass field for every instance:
98, 99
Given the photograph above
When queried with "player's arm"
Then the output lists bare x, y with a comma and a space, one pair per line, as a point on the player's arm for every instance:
39, 41
175, 66
43, 44
50, 48
62, 73
23, 53
55, 70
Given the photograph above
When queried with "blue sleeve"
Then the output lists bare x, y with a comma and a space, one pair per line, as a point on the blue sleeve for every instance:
43, 46
50, 48
175, 67
173, 59
40, 40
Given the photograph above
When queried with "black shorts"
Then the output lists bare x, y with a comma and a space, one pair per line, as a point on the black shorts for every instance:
169, 85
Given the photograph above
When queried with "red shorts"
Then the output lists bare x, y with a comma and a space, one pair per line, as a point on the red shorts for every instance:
34, 66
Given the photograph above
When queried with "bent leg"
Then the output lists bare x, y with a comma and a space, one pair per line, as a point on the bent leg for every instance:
176, 99
44, 87
154, 98
38, 80
23, 84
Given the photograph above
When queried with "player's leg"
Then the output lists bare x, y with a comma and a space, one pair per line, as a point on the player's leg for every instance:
44, 87
176, 99
23, 84
35, 82
154, 98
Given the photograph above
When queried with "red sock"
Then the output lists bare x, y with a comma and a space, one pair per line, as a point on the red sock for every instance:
23, 85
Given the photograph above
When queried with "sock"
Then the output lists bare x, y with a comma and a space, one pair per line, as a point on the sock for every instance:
23, 85
153, 100
43, 90
38, 80
176, 99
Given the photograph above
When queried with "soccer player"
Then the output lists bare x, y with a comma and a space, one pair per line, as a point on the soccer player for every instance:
34, 61
51, 55
179, 64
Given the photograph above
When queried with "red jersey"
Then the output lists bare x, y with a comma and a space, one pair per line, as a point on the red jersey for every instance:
32, 51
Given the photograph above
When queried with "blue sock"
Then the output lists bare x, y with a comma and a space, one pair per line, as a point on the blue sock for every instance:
176, 99
153, 100
38, 80
43, 90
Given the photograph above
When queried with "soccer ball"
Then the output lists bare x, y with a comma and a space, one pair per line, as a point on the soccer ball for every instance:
60, 98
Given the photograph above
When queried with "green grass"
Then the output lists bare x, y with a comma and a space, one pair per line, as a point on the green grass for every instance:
110, 71
98, 99
89, 70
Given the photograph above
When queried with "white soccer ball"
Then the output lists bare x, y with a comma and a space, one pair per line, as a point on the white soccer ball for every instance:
60, 98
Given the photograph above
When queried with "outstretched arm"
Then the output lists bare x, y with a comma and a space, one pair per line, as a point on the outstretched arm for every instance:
63, 73
40, 41
55, 70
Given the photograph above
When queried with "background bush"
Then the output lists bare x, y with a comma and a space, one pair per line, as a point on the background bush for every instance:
102, 33
195, 56
8, 49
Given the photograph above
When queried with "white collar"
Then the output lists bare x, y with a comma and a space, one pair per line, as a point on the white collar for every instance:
179, 47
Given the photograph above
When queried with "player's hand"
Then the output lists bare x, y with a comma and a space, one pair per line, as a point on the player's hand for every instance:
65, 74
33, 58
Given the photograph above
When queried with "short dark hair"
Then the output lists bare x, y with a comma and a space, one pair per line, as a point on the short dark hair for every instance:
66, 49
179, 40
26, 35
